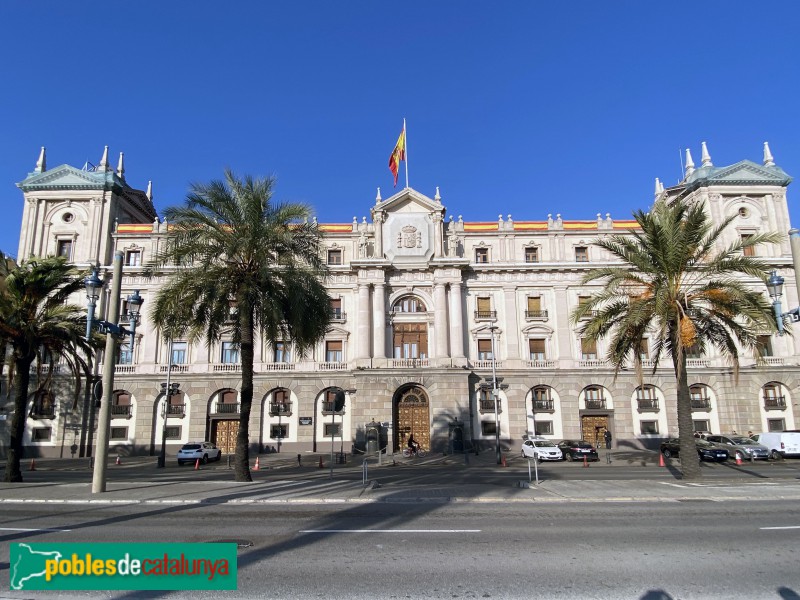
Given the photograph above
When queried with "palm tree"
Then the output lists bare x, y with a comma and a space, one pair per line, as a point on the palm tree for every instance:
683, 287
38, 324
248, 265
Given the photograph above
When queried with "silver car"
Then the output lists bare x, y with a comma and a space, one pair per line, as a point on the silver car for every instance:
741, 447
541, 449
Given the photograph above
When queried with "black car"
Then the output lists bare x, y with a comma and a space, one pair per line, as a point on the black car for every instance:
577, 450
705, 450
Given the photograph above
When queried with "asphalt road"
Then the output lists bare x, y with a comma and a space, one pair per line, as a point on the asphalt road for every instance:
642, 551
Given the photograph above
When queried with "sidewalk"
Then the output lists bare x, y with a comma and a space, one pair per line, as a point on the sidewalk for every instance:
280, 481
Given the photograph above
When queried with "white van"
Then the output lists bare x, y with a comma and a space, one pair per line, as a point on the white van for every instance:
780, 443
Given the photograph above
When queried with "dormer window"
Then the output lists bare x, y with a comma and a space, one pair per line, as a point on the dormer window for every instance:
481, 255
335, 256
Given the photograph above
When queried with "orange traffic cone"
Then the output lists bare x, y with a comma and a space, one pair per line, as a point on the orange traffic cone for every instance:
118, 461
661, 460
503, 461
33, 465
321, 466
738, 459
197, 465
255, 467
585, 461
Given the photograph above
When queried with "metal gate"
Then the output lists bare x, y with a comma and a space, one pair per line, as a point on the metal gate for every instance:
413, 418
592, 428
224, 435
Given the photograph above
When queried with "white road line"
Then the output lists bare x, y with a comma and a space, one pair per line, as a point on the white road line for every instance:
672, 484
789, 527
24, 529
390, 531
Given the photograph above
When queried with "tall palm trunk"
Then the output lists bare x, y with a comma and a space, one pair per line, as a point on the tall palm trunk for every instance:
242, 459
690, 461
22, 367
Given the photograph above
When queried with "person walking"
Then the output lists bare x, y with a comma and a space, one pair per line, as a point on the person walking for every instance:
607, 438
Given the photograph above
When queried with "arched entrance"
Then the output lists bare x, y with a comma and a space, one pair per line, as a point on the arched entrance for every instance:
412, 417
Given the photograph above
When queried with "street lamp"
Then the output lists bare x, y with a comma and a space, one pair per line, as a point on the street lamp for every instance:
775, 288
113, 332
496, 396
169, 390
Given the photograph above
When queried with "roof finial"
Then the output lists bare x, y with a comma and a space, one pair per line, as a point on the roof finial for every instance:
438, 196
705, 156
689, 163
768, 160
378, 197
121, 166
41, 164
103, 166
658, 186
149, 192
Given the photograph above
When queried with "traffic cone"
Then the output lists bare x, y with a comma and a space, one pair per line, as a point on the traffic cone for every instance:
661, 460
321, 466
738, 460
33, 465
503, 461
118, 461
585, 461
197, 465
255, 467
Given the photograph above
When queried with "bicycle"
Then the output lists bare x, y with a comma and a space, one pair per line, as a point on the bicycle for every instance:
420, 453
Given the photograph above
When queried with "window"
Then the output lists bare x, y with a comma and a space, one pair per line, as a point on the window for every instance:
409, 304
333, 351
133, 258
534, 310
173, 432
121, 404
646, 398
700, 425
764, 345
227, 402
481, 255
699, 398
544, 428
748, 250
329, 404
333, 430
531, 254
64, 249
279, 432
486, 400
334, 257
649, 427
230, 353
124, 355
119, 433
336, 309
485, 350
536, 349
694, 352
776, 425
44, 406
644, 349
484, 309
488, 427
588, 349
179, 351
542, 400
773, 396
410, 340
593, 397
41, 434
581, 254
281, 352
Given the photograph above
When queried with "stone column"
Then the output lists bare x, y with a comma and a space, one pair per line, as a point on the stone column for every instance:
362, 328
377, 220
456, 321
440, 320
379, 321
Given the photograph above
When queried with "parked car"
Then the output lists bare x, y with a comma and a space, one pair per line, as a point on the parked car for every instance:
740, 446
705, 450
780, 443
540, 449
577, 450
204, 451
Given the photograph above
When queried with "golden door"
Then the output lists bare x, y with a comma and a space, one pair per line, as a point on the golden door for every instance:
592, 428
225, 435
413, 418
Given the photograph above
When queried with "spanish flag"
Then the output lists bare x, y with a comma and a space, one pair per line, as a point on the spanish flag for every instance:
398, 154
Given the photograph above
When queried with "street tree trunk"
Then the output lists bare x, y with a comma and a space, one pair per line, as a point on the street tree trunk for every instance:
22, 377
690, 461
242, 459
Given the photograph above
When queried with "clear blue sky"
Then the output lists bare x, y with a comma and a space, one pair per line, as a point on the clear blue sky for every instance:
523, 108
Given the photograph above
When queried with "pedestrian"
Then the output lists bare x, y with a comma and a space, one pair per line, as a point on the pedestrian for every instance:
750, 434
607, 438
299, 460
734, 432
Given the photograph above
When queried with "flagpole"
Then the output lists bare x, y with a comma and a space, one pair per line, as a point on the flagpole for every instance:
406, 136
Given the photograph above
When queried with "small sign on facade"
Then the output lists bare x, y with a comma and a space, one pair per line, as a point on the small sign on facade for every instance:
306, 420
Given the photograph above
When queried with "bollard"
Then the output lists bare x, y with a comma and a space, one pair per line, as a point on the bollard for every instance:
229, 461
364, 472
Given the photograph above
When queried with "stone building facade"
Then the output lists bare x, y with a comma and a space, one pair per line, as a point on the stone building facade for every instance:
426, 308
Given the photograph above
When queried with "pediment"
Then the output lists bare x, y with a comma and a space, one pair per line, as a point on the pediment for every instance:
749, 172
66, 176
409, 200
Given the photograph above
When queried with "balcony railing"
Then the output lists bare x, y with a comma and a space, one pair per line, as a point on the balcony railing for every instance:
280, 408
694, 363
487, 364
543, 405
592, 363
595, 403
176, 410
485, 314
773, 361
535, 314
227, 408
774, 402
647, 403
591, 314
329, 408
278, 366
487, 406
121, 410
338, 316
46, 369
175, 368
332, 366
701, 404
227, 368
37, 413
124, 369
540, 364
410, 363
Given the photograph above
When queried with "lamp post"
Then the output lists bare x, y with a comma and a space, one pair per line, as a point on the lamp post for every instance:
775, 288
169, 390
496, 396
113, 331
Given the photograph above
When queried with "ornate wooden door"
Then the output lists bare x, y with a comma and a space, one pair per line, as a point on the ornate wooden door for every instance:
225, 435
413, 418
592, 428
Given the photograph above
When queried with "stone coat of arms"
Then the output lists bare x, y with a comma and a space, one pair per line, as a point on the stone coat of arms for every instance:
409, 237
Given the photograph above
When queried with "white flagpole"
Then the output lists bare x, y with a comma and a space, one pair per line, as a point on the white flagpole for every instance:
405, 134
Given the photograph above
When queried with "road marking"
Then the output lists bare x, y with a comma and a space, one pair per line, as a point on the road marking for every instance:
40, 529
672, 484
788, 527
390, 531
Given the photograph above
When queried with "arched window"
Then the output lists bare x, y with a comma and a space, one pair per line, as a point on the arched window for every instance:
542, 399
409, 304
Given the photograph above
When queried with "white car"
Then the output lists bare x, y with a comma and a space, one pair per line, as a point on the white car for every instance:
203, 451
541, 450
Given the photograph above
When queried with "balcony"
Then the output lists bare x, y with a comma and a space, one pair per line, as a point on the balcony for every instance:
410, 363
332, 366
338, 316
545, 405
595, 403
176, 410
227, 408
124, 369
774, 402
647, 404
773, 361
227, 368
487, 405
696, 363
329, 408
280, 409
540, 364
487, 364
278, 366
592, 363
590, 314
485, 315
701, 404
43, 413
121, 411
536, 314
175, 368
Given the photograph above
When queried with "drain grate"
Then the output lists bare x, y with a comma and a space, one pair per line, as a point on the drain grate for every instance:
239, 543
